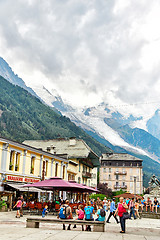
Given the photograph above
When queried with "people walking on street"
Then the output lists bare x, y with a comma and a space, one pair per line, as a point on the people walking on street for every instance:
127, 201
112, 211
98, 202
21, 209
105, 204
44, 211
137, 208
131, 208
122, 206
18, 205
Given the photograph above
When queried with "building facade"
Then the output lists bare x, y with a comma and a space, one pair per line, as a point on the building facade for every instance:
122, 171
82, 161
20, 164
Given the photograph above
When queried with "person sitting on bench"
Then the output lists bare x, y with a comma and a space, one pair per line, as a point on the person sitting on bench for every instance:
65, 213
89, 210
101, 213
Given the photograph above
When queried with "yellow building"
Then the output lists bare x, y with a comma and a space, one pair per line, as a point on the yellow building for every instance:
122, 171
21, 164
82, 161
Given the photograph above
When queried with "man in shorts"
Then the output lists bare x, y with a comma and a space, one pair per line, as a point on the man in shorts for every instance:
155, 204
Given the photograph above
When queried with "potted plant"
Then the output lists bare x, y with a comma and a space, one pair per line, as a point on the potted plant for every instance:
16, 167
32, 169
10, 166
3, 206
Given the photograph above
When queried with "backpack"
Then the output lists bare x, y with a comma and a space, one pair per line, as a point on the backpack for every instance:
102, 212
88, 213
62, 212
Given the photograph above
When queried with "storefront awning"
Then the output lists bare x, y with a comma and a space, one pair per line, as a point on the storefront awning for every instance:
18, 186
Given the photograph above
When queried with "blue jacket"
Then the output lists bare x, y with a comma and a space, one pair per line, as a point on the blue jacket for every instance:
112, 207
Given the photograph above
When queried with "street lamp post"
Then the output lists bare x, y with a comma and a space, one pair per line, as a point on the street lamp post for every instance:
135, 187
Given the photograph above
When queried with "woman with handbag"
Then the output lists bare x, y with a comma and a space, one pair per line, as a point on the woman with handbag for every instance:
122, 213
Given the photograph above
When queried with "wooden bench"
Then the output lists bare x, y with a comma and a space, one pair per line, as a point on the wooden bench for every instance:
34, 223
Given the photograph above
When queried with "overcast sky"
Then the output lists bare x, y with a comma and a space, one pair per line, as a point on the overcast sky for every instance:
89, 50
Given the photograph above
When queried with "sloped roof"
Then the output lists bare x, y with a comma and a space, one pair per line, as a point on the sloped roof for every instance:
74, 148
120, 157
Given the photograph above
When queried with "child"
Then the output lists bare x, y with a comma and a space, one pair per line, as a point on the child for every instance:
80, 214
44, 211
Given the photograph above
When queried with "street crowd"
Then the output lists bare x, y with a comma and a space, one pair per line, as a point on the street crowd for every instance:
125, 209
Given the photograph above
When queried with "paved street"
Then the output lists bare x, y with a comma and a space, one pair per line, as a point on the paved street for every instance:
13, 228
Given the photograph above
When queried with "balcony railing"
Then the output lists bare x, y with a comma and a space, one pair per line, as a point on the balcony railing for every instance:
86, 174
120, 173
124, 187
120, 186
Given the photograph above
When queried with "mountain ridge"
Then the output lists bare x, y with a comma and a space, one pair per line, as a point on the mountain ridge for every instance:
107, 126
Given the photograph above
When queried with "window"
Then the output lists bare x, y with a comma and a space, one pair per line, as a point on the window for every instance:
123, 184
124, 177
110, 170
73, 177
89, 183
131, 178
11, 162
79, 180
104, 170
46, 172
17, 161
69, 177
32, 165
117, 177
79, 167
109, 177
56, 170
117, 184
63, 172
131, 170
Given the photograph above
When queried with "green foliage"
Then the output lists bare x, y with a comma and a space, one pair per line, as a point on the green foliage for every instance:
2, 203
118, 192
25, 117
101, 196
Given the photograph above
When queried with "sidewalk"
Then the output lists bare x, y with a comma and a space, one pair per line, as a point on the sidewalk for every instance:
13, 228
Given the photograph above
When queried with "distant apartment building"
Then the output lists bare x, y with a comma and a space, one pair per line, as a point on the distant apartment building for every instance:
122, 171
82, 161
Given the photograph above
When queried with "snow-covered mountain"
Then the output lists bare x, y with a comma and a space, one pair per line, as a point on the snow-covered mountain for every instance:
105, 123
8, 74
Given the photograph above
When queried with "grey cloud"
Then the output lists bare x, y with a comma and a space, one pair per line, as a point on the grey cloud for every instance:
81, 43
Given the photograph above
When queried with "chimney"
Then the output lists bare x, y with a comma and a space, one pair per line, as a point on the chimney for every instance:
72, 141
